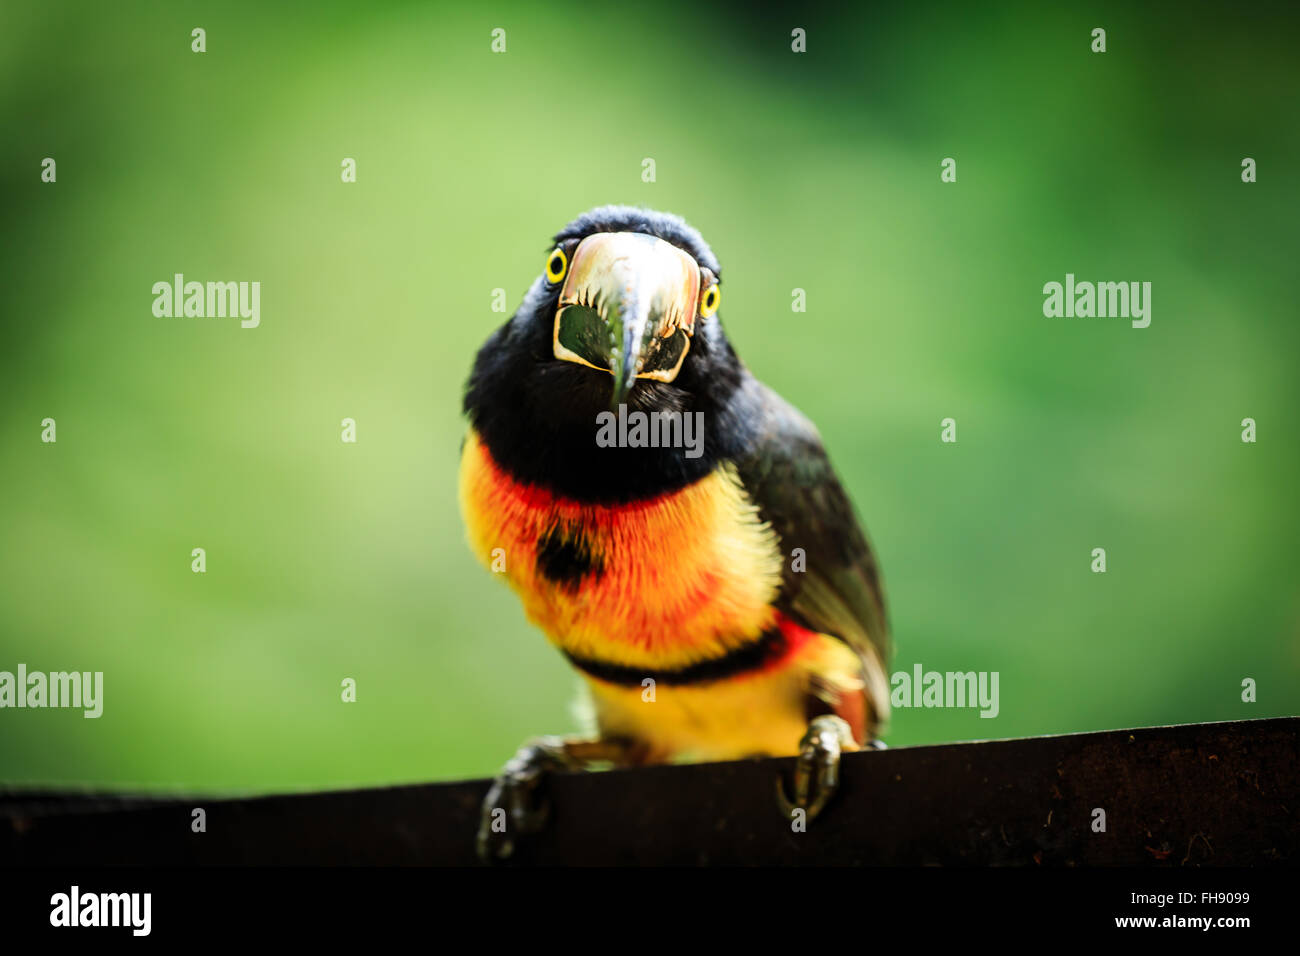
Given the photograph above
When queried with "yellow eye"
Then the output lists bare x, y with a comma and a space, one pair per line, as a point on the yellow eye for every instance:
556, 266
709, 304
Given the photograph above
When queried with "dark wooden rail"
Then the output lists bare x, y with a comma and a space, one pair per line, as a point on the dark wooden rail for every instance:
1222, 794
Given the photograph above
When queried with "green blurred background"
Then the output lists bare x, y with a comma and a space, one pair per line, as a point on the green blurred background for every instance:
818, 171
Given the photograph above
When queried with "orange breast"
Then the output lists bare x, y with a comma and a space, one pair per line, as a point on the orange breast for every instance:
663, 583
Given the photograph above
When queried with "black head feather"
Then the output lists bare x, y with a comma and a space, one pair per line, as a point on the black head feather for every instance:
664, 225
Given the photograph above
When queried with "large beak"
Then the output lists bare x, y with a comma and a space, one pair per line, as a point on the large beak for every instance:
628, 308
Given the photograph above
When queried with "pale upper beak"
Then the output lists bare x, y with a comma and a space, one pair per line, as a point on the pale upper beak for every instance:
628, 307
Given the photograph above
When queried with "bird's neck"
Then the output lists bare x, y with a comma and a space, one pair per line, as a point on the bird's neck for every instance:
575, 447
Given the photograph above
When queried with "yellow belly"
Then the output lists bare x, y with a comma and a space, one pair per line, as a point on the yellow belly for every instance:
764, 713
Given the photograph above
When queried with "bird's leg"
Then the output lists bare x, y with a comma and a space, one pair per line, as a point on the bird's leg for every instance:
515, 806
817, 771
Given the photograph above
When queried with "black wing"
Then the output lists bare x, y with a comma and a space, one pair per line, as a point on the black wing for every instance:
791, 480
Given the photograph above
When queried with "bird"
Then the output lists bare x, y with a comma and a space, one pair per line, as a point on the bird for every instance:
719, 599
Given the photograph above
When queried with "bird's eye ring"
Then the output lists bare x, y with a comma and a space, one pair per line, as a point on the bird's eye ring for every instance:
709, 301
556, 266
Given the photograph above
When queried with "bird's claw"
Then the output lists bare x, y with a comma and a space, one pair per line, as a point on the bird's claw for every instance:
514, 805
817, 770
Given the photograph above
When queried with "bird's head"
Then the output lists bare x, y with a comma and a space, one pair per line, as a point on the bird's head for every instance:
629, 290
625, 311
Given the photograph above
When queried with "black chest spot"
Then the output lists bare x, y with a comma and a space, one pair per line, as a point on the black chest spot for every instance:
565, 557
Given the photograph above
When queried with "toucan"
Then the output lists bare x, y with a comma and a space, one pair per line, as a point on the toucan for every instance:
719, 599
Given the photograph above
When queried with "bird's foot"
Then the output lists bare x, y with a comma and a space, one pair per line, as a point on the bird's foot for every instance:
516, 803
817, 771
